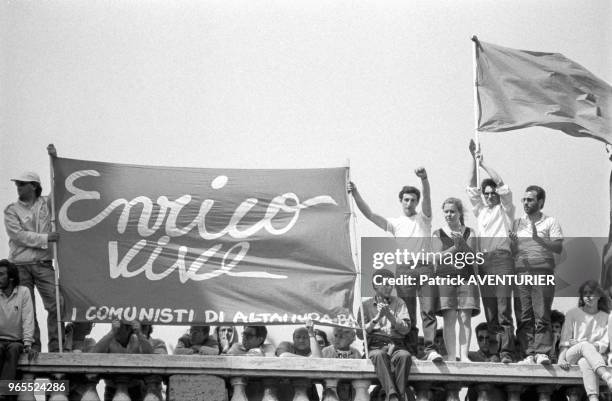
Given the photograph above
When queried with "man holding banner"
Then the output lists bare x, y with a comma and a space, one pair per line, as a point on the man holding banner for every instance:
28, 224
196, 246
413, 229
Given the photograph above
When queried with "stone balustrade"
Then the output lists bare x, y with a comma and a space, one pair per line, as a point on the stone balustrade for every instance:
199, 378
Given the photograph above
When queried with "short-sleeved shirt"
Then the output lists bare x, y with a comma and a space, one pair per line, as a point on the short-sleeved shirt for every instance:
495, 222
383, 327
529, 250
332, 352
413, 231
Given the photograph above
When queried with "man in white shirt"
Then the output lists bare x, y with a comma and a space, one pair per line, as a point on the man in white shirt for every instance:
535, 237
413, 231
492, 205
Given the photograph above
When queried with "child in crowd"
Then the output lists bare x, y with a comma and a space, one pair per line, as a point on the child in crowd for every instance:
341, 348
584, 338
304, 343
341, 345
457, 302
226, 336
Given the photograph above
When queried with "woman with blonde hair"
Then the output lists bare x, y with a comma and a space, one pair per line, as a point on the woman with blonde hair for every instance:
457, 245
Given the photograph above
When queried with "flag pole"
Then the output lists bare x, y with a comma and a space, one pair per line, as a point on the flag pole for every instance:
54, 248
475, 49
609, 151
356, 260
606, 282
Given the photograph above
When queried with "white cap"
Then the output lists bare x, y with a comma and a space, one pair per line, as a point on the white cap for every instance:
27, 176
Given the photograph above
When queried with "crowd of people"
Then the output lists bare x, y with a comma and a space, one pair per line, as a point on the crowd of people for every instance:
510, 245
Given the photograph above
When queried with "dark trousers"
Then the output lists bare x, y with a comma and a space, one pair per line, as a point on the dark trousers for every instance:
392, 370
497, 302
9, 356
428, 300
42, 276
534, 328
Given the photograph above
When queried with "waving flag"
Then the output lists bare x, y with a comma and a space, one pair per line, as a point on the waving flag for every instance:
520, 88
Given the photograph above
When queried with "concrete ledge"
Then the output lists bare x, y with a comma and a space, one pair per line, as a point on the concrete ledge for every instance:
314, 368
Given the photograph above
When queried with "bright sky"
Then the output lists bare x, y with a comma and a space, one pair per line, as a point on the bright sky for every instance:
273, 84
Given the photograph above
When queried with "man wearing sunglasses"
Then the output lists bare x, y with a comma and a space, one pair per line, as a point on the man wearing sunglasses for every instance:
253, 338
28, 224
484, 353
492, 205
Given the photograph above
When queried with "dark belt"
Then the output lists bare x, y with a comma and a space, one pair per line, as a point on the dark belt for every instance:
7, 341
375, 341
35, 262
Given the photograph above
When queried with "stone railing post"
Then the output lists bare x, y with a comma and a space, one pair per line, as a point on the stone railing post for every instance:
330, 392
153, 386
361, 390
59, 394
121, 390
27, 396
423, 391
514, 392
452, 391
300, 387
484, 391
544, 392
91, 393
270, 390
239, 387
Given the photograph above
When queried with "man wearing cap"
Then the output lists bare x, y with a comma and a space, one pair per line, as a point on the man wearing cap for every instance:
28, 224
